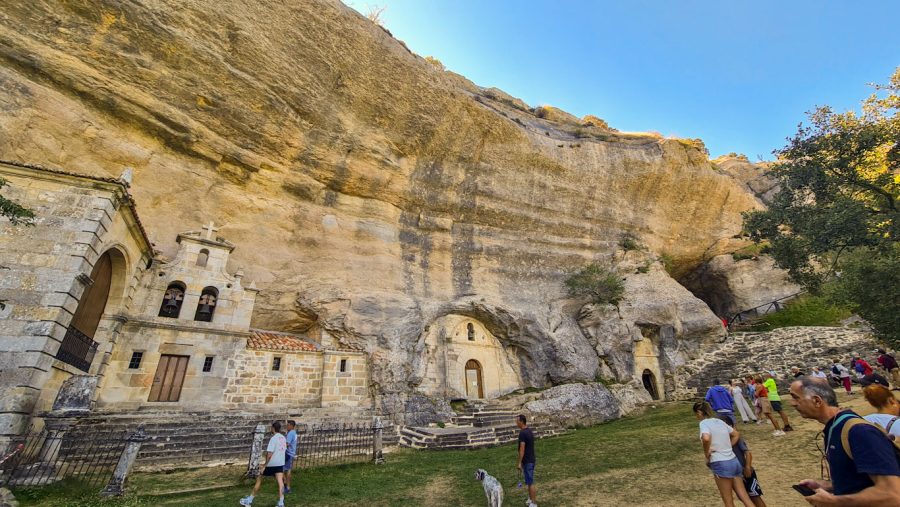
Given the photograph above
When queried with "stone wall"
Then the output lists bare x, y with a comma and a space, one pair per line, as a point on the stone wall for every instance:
345, 388
252, 384
752, 353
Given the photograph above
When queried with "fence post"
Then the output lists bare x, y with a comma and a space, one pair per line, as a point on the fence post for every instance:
256, 450
116, 485
377, 453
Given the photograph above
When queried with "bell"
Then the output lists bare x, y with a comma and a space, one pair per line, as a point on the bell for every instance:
171, 306
205, 310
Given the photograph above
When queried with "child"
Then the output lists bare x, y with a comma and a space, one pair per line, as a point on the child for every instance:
751, 483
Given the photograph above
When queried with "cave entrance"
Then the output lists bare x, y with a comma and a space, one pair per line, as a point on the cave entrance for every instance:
649, 381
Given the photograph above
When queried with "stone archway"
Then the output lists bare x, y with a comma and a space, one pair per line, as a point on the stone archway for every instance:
474, 380
105, 291
646, 360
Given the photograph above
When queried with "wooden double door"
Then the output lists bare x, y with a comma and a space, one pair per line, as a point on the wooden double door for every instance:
169, 378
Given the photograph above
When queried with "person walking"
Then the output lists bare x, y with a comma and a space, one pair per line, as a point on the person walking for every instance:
751, 482
765, 406
717, 439
526, 458
861, 366
719, 398
289, 454
737, 392
775, 399
818, 373
889, 363
861, 459
273, 466
842, 373
751, 395
887, 406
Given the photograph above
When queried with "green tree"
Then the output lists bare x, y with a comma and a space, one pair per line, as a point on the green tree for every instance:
17, 215
834, 220
603, 285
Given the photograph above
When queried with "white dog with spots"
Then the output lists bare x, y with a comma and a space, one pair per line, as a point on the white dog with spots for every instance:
492, 488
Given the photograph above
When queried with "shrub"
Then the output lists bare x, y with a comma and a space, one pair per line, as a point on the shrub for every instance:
629, 242
805, 310
542, 111
581, 133
603, 285
592, 121
668, 262
435, 62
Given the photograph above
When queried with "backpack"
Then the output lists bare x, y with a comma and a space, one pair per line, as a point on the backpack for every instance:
853, 421
835, 370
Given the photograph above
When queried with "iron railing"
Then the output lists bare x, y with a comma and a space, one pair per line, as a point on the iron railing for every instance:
334, 444
77, 349
44, 457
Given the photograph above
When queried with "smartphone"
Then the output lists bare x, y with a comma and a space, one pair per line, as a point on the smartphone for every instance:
803, 490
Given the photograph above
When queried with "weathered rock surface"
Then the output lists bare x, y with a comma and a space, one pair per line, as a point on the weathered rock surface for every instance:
754, 176
576, 405
729, 286
385, 191
7, 499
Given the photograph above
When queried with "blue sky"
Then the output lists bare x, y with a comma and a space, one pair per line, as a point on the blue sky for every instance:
738, 74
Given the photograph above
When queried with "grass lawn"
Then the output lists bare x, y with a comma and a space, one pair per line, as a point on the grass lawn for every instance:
649, 460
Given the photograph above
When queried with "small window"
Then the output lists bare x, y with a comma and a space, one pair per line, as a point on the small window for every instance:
471, 330
276, 363
135, 362
202, 257
343, 366
207, 364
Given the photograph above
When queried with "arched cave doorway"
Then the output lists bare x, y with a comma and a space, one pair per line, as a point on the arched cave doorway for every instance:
474, 382
107, 277
649, 380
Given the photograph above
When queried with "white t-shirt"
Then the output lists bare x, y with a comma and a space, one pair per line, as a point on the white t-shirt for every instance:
818, 374
737, 392
277, 446
842, 370
720, 435
883, 420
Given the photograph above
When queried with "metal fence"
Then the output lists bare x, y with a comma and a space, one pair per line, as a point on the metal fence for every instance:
330, 444
46, 456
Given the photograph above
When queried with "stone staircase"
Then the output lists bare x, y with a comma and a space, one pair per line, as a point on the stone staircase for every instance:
199, 439
476, 426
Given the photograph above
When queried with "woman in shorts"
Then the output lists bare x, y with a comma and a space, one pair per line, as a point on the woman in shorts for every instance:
765, 406
718, 439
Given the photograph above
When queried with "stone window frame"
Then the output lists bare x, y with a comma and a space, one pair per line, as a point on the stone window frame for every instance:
345, 372
140, 359
277, 365
208, 362
202, 258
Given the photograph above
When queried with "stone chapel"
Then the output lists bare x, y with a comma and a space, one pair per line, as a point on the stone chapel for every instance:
88, 298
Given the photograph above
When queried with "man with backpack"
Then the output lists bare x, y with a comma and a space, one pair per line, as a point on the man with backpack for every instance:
890, 365
864, 464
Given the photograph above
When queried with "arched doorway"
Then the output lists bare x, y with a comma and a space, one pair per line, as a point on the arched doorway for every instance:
78, 346
649, 380
474, 383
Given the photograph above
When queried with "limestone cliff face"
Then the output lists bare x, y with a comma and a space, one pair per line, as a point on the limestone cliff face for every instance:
367, 191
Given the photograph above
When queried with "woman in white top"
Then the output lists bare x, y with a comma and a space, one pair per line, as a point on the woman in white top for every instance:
718, 439
737, 392
816, 372
887, 406
841, 372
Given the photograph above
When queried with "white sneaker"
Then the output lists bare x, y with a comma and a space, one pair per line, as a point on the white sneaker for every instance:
777, 433
758, 422
247, 500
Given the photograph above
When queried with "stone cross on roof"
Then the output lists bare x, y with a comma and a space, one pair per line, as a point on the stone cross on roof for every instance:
210, 229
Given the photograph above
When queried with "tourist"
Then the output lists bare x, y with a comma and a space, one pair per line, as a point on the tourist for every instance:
272, 467
751, 482
526, 458
817, 372
737, 392
873, 378
719, 398
775, 399
289, 454
751, 395
796, 372
765, 406
718, 439
842, 373
861, 458
890, 365
887, 406
861, 366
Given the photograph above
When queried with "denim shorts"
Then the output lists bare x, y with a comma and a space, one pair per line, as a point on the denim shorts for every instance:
288, 462
528, 472
727, 469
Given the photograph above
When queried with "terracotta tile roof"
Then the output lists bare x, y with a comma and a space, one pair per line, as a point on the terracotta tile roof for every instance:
278, 342
129, 200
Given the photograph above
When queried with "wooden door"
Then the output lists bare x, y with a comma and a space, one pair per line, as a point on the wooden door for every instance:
169, 378
474, 387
